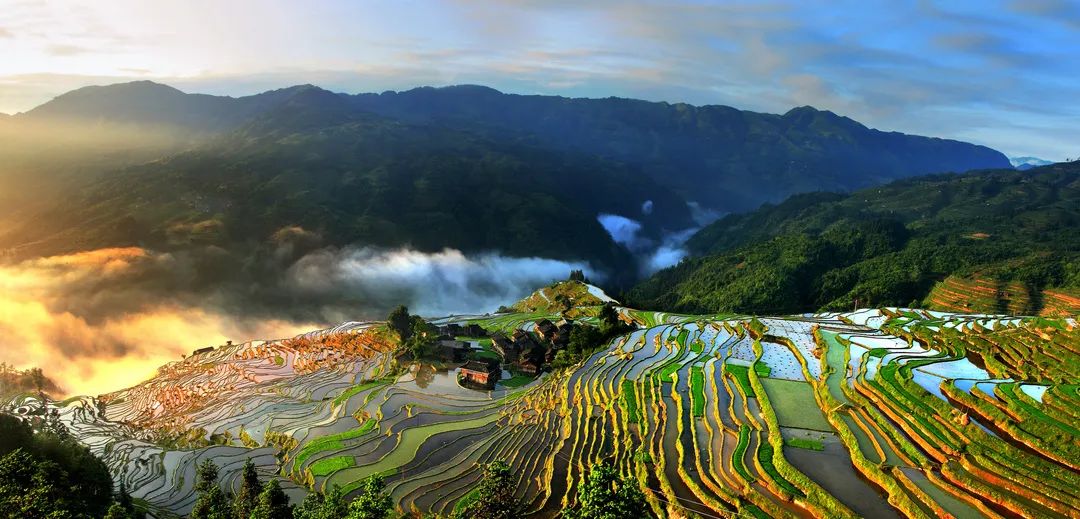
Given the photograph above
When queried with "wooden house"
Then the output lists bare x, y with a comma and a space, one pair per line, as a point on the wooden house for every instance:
480, 373
505, 347
451, 350
545, 329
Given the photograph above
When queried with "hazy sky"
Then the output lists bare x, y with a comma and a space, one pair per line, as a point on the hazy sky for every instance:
996, 73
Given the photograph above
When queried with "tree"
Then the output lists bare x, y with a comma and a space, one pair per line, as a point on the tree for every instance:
272, 503
583, 339
606, 495
45, 475
372, 503
30, 487
250, 488
14, 434
124, 498
610, 323
563, 359
117, 511
494, 496
212, 502
38, 377
421, 338
206, 475
401, 322
323, 506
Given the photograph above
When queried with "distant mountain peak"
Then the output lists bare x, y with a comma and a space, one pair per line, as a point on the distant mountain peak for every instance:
143, 86
135, 101
1024, 163
806, 114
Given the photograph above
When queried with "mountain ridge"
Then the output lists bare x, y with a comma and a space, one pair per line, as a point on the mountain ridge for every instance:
711, 148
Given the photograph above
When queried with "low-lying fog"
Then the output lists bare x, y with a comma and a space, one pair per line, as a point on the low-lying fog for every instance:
103, 320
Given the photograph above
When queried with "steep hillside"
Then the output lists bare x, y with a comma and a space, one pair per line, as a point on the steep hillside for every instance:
891, 245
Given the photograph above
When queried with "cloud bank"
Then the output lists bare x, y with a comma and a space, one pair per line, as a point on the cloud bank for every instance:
103, 320
652, 256
432, 284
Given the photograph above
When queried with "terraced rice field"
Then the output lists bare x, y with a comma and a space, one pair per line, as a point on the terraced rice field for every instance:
876, 413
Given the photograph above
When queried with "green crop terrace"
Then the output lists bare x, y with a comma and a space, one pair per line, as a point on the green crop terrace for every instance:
874, 413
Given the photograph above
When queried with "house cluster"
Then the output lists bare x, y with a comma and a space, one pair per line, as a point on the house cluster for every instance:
529, 355
527, 352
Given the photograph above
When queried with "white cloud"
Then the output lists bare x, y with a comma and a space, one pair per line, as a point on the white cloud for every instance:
430, 284
650, 255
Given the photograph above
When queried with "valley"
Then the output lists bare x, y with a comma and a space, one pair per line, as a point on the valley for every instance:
539, 260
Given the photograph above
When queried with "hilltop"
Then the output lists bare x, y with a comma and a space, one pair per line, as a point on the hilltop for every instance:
563, 297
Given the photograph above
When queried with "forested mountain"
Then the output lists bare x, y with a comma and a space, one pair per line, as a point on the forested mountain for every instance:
344, 176
462, 167
718, 156
1009, 234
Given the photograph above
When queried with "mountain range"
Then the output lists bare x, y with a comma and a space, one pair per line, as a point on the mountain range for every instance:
465, 167
739, 158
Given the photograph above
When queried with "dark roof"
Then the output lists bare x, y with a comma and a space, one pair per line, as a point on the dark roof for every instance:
457, 345
477, 365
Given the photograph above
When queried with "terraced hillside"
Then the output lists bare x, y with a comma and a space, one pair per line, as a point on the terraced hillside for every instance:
875, 413
960, 294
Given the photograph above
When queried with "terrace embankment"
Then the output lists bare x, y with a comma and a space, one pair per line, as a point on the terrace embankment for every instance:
874, 413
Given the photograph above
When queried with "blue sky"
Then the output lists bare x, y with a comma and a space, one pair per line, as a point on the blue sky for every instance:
992, 72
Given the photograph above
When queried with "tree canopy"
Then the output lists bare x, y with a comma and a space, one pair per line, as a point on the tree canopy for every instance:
494, 497
606, 495
43, 474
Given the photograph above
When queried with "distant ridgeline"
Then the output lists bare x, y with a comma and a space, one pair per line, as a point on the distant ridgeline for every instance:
991, 241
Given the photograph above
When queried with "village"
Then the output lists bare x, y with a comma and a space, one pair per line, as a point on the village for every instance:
523, 352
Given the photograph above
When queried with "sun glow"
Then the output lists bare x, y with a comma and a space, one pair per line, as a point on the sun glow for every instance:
88, 355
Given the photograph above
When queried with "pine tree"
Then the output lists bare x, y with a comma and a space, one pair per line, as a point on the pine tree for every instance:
250, 488
123, 498
206, 476
372, 503
494, 498
212, 502
272, 503
319, 506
